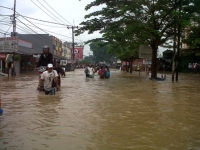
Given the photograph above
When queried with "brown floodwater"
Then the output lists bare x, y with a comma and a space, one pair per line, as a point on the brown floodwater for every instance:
127, 111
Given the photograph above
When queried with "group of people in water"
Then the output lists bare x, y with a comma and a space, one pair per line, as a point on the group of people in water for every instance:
49, 74
102, 71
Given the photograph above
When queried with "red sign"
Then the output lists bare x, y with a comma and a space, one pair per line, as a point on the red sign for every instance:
78, 53
2, 56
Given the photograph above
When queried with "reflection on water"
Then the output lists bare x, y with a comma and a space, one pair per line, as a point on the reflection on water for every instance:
127, 111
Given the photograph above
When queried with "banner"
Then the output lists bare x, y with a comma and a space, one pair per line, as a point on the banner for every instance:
9, 44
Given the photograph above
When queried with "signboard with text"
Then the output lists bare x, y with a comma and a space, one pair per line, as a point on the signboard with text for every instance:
145, 52
9, 44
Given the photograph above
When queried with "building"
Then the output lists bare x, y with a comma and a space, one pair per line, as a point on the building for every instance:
39, 40
26, 50
19, 50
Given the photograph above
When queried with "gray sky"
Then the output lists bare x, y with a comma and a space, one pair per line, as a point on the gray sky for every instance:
73, 12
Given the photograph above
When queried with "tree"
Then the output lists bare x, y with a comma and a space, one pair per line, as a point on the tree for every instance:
137, 22
100, 51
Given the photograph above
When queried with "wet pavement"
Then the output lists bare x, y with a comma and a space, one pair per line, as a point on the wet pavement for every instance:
127, 111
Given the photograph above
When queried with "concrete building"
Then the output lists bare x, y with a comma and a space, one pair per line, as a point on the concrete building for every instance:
39, 40
25, 50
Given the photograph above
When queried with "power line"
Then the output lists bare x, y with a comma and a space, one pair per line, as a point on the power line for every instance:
9, 28
50, 11
52, 32
3, 30
48, 25
4, 33
36, 35
3, 19
6, 7
6, 24
36, 32
44, 20
56, 12
5, 15
43, 10
49, 31
33, 30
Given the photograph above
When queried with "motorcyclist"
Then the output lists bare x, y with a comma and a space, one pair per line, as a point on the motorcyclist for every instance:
45, 59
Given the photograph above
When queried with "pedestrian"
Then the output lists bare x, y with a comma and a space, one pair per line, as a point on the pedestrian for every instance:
29, 65
92, 71
60, 71
190, 67
50, 80
102, 72
87, 71
107, 75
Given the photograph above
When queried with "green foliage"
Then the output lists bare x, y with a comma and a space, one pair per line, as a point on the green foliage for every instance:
100, 51
17, 57
126, 25
84, 61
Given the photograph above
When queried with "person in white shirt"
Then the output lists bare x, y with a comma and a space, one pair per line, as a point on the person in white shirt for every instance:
48, 78
92, 71
190, 67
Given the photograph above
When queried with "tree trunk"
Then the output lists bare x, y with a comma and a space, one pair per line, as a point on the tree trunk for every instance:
154, 61
131, 66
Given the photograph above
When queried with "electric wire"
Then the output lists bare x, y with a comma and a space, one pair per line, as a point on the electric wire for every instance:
56, 12
46, 31
4, 18
3, 33
6, 7
49, 31
44, 20
48, 25
34, 31
43, 11
34, 19
50, 12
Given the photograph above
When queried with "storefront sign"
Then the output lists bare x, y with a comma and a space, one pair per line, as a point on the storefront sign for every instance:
9, 44
25, 43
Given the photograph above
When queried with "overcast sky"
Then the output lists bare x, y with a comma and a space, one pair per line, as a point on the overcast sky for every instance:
69, 12
73, 12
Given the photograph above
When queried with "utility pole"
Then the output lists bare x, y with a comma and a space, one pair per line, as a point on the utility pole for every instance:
13, 35
14, 20
72, 27
174, 46
179, 43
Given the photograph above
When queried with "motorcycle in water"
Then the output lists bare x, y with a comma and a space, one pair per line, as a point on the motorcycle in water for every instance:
41, 69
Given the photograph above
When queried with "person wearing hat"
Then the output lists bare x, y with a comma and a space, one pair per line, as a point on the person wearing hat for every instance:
50, 79
46, 57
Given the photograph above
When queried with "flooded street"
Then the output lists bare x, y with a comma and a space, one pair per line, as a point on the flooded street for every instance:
127, 111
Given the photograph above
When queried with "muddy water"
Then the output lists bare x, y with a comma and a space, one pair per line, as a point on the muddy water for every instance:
123, 112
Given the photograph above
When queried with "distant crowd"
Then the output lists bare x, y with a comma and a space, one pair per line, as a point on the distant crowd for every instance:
102, 71
194, 67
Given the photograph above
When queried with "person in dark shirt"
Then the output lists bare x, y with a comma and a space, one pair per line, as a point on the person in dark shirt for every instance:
46, 57
60, 71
